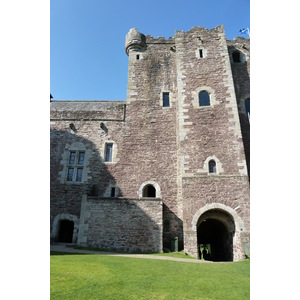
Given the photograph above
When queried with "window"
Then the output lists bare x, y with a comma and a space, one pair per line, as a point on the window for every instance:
113, 192
212, 166
200, 53
108, 152
75, 166
149, 191
204, 99
137, 56
166, 100
247, 107
236, 56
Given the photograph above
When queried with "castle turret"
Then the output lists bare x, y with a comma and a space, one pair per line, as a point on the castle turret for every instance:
134, 40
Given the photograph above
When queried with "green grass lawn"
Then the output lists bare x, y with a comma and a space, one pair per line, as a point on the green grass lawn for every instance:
110, 277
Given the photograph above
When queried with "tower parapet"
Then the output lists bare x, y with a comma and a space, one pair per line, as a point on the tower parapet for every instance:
134, 40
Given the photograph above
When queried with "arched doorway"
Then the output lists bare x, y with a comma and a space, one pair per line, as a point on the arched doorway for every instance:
66, 228
215, 230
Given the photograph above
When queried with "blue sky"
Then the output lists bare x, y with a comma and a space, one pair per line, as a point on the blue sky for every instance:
87, 56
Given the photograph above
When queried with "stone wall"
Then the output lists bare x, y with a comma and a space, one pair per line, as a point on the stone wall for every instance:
121, 224
86, 131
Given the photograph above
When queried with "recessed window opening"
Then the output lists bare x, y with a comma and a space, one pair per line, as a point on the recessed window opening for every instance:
108, 152
113, 192
247, 107
204, 99
137, 56
166, 100
236, 56
149, 191
75, 163
212, 166
201, 53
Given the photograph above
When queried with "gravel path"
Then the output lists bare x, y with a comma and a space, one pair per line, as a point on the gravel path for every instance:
70, 249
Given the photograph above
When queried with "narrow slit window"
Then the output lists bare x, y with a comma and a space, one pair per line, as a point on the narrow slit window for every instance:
204, 99
247, 107
137, 56
201, 53
108, 152
113, 192
166, 100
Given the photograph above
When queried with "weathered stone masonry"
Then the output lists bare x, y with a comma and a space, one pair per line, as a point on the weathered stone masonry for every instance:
156, 185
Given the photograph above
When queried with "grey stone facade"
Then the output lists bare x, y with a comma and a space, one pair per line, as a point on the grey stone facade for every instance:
136, 175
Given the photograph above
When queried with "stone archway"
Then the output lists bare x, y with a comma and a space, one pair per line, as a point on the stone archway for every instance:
215, 231
65, 228
220, 227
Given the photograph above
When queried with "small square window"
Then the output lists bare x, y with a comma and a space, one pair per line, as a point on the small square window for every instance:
166, 100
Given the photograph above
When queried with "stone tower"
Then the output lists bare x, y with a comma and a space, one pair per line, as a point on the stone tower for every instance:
167, 169
183, 138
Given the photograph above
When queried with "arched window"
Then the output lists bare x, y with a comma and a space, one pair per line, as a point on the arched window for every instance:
212, 166
236, 56
149, 191
204, 99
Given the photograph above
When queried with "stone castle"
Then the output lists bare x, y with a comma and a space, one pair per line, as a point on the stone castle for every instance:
167, 169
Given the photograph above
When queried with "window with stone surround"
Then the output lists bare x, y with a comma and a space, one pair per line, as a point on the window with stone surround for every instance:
201, 53
204, 98
75, 160
108, 152
212, 166
149, 191
166, 100
75, 166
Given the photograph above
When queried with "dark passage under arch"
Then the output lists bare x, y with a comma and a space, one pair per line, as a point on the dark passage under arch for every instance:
213, 235
66, 228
